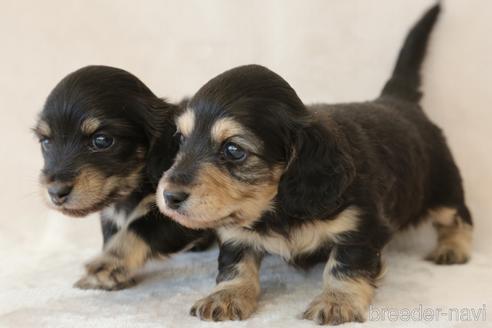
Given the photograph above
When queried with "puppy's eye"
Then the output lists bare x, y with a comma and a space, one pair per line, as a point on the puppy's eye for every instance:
102, 141
234, 152
45, 143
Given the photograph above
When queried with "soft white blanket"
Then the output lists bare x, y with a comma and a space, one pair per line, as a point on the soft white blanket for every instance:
36, 286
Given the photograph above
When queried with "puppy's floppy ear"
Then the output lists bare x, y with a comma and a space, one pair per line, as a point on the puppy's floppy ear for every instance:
319, 171
152, 114
157, 118
161, 154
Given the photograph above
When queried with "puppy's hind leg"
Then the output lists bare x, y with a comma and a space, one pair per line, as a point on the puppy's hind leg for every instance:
454, 235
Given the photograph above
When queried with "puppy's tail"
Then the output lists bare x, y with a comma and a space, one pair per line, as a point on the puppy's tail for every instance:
405, 81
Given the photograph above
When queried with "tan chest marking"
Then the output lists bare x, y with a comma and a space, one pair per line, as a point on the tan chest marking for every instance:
305, 239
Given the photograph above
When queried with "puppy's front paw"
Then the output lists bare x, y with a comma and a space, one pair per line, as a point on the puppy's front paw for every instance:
327, 310
106, 272
226, 304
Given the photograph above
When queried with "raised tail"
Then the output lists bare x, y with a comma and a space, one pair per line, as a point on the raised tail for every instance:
406, 79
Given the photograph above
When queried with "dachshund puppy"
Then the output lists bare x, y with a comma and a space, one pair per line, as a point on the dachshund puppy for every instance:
324, 183
97, 131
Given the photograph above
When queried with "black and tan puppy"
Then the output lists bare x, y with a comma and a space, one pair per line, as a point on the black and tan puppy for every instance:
97, 131
327, 183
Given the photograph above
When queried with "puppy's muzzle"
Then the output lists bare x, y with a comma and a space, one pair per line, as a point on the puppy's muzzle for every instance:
175, 199
59, 192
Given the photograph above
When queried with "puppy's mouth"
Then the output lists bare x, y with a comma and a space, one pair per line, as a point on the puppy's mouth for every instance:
70, 208
194, 222
85, 211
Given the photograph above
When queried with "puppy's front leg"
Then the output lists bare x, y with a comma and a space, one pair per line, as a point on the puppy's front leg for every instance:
349, 282
108, 229
123, 254
152, 235
238, 286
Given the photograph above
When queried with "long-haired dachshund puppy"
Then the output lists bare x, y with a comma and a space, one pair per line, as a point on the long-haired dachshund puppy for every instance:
327, 183
97, 131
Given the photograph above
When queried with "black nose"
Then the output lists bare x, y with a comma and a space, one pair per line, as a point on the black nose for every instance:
175, 199
59, 193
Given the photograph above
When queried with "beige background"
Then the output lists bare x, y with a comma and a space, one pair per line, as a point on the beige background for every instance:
330, 51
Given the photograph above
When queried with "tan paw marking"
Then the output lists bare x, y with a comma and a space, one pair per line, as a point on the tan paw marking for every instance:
106, 272
448, 253
226, 304
326, 310
454, 237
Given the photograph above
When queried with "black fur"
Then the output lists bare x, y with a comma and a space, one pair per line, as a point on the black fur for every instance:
405, 81
382, 164
311, 189
230, 255
383, 157
137, 119
165, 236
108, 228
129, 109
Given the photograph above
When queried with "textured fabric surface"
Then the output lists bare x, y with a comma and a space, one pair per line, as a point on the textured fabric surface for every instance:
330, 51
36, 286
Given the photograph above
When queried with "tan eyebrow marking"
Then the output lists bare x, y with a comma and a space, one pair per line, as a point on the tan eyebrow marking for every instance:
225, 128
186, 122
90, 125
43, 129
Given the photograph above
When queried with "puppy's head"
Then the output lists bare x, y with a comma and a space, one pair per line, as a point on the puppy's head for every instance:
247, 146
95, 130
